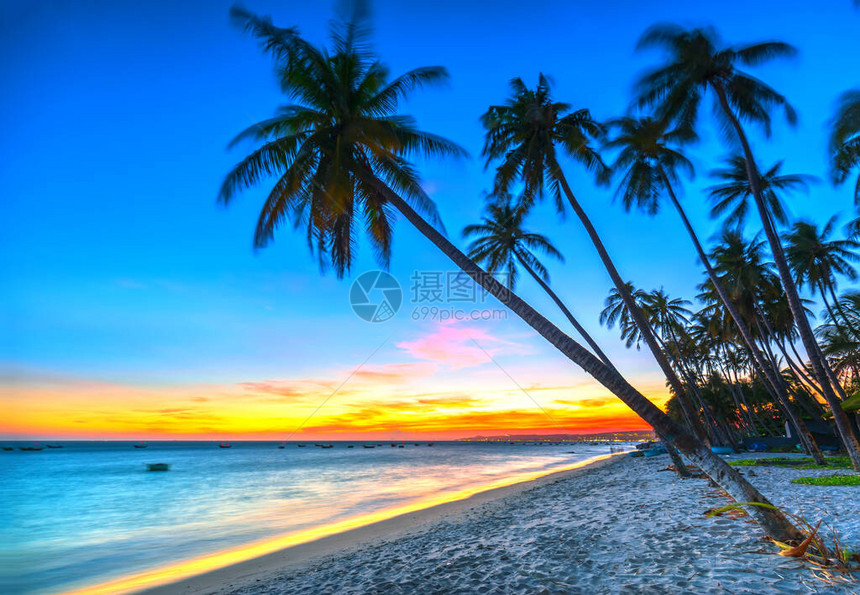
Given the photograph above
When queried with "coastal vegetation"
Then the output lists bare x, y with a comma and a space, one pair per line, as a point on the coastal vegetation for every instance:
340, 155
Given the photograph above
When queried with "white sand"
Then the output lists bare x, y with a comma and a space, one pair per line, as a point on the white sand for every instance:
621, 527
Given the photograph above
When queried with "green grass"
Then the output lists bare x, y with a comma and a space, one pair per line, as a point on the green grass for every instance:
796, 463
829, 480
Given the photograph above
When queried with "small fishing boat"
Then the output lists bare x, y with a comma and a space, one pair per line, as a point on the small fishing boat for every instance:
369, 446
8, 448
300, 445
157, 467
326, 445
350, 446
54, 445
34, 447
141, 445
655, 452
225, 445
429, 444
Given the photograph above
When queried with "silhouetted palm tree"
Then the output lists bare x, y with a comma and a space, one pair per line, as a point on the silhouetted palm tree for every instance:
731, 197
341, 153
815, 260
503, 245
697, 63
845, 140
525, 136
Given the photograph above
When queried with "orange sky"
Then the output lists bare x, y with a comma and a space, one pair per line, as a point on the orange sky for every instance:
442, 387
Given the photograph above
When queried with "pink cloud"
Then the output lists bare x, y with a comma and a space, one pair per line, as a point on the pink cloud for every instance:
454, 346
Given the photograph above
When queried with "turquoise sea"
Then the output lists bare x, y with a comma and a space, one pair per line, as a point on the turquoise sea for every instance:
90, 512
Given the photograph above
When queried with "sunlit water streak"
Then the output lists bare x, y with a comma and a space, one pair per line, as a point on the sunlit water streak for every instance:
89, 513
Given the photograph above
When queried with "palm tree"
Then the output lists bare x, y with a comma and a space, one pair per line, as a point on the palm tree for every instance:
503, 245
815, 260
342, 153
845, 140
616, 312
648, 163
732, 195
741, 268
698, 64
523, 134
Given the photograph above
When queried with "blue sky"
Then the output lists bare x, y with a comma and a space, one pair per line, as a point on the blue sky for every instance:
117, 264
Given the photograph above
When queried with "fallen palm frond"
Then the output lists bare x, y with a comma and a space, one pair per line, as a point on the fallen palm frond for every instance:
836, 566
800, 549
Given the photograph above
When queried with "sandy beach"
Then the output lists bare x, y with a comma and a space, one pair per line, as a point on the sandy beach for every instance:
619, 526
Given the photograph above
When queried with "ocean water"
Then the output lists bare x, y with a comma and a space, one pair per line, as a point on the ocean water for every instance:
89, 512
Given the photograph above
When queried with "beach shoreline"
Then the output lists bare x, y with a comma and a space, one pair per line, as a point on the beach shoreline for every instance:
621, 525
296, 557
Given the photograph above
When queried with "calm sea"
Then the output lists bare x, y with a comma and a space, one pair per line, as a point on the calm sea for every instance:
90, 512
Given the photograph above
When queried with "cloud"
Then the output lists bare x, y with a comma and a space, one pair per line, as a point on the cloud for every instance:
455, 346
396, 372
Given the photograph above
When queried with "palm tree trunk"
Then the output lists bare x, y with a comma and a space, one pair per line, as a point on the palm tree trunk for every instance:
635, 312
807, 440
568, 314
747, 337
842, 313
816, 358
772, 521
680, 467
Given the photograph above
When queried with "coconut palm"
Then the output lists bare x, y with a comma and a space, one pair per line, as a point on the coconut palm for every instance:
526, 136
342, 152
816, 260
839, 338
698, 63
502, 245
845, 140
616, 312
731, 197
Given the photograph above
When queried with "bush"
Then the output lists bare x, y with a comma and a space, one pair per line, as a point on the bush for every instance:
829, 480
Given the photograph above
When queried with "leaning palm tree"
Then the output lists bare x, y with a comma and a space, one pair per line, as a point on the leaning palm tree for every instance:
698, 63
342, 152
816, 260
649, 162
502, 245
527, 135
845, 140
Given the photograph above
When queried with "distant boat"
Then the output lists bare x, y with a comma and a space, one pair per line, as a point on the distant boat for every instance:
300, 445
31, 448
140, 445
54, 445
8, 448
326, 445
225, 445
350, 446
157, 467
369, 446
429, 444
